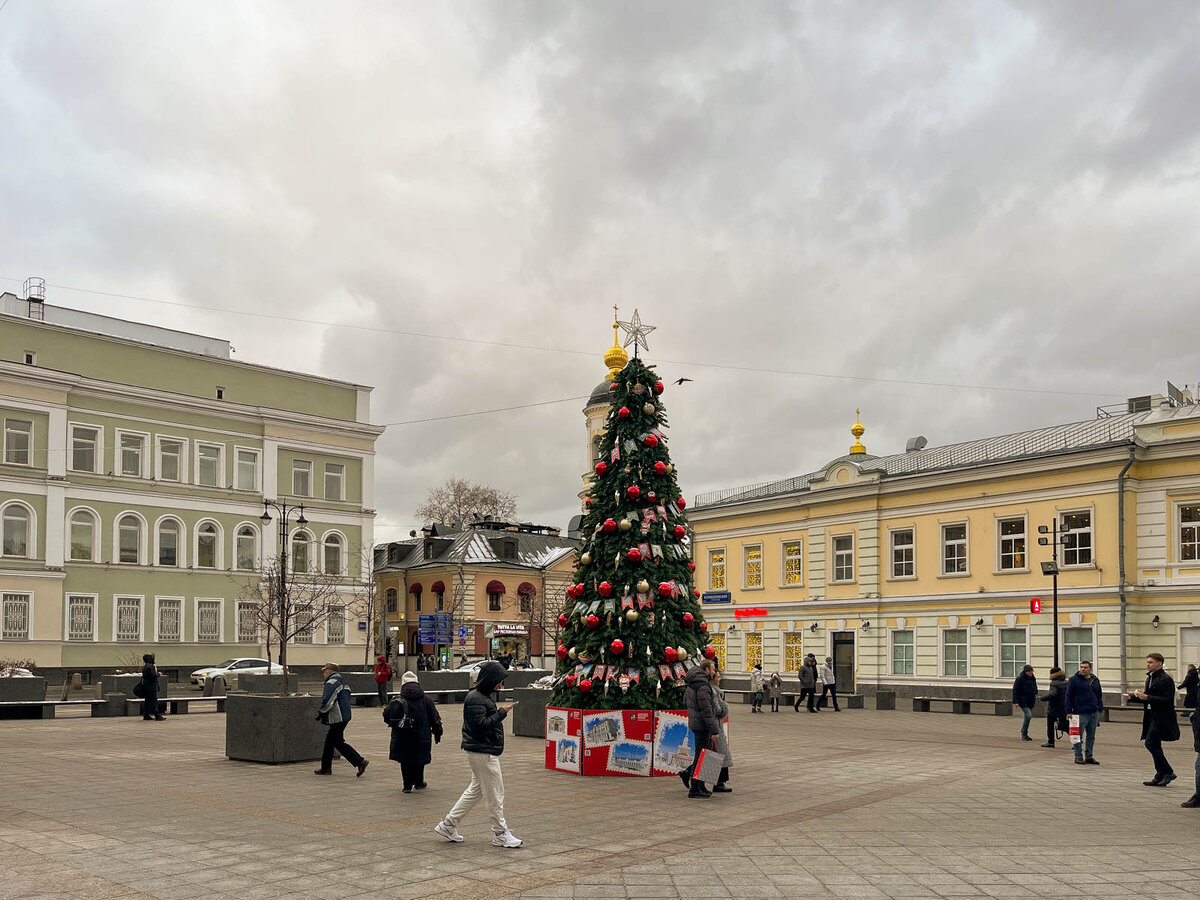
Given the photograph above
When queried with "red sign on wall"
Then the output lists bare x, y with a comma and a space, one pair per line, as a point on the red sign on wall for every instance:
1035, 605
749, 611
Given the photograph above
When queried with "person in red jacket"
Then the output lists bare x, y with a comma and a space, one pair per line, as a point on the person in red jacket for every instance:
383, 674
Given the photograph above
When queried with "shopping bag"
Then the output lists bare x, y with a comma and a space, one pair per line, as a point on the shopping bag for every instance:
1074, 728
708, 766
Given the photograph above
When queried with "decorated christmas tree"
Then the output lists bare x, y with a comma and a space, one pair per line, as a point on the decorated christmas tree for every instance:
632, 624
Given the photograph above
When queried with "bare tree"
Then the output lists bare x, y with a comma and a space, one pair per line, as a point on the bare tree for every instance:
462, 500
365, 602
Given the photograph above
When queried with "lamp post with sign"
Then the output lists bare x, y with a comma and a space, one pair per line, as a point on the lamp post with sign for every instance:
1050, 567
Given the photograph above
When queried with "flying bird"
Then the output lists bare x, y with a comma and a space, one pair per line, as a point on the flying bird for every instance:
682, 380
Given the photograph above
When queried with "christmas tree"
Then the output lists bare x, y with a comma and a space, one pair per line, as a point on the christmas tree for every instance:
632, 622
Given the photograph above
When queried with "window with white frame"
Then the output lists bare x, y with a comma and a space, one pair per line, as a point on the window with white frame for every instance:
1012, 543
793, 652
169, 533
903, 553
16, 523
954, 652
85, 448
246, 548
954, 549
843, 557
170, 459
1078, 644
716, 569
15, 615
335, 626
18, 442
209, 465
1076, 528
81, 617
208, 546
752, 566
301, 478
1189, 532
246, 475
393, 600
208, 621
170, 619
1014, 653
718, 645
247, 623
129, 539
133, 454
753, 649
903, 651
84, 534
793, 563
127, 619
333, 554
300, 544
335, 476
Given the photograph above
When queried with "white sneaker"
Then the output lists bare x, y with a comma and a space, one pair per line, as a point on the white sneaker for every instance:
448, 831
508, 839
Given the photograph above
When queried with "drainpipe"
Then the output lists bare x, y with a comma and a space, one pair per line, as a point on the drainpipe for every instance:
1121, 565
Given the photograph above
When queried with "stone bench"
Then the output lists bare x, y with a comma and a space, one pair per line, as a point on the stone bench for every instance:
962, 706
44, 709
177, 706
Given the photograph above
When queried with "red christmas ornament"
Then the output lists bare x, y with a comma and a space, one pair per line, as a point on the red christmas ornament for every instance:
601, 467
585, 685
563, 620
650, 441
652, 497
561, 652
579, 589
634, 554
587, 501
681, 503
623, 412
605, 589
570, 681
680, 531
617, 647
669, 654
610, 525
658, 387
592, 621
633, 492
660, 468
704, 627
696, 592
692, 566
665, 589
688, 619
710, 652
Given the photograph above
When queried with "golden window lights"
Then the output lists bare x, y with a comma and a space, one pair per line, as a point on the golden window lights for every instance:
716, 570
793, 652
793, 559
752, 561
753, 649
718, 644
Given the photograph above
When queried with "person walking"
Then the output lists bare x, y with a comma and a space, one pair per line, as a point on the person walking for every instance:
1190, 687
756, 688
775, 690
722, 711
808, 683
1193, 801
383, 674
702, 720
828, 684
483, 741
416, 727
1056, 705
1024, 696
149, 685
1159, 723
335, 712
1085, 698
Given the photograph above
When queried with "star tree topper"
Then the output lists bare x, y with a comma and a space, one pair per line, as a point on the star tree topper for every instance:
636, 332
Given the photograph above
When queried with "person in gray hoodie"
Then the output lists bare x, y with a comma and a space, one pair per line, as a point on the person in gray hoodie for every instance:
808, 683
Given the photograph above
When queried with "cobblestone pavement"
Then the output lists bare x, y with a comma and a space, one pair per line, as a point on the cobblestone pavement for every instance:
861, 804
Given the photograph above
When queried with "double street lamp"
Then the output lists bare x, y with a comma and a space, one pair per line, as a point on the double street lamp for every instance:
285, 512
1050, 567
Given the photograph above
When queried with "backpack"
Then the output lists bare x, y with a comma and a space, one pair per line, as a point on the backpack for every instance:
404, 722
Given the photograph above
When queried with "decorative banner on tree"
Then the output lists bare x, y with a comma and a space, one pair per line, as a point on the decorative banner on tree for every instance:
600, 670
664, 672
627, 602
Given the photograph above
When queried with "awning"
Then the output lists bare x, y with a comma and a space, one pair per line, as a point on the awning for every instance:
438, 587
495, 587
526, 590
415, 588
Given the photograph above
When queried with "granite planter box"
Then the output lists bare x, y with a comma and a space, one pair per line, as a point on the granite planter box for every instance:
361, 682
433, 682
529, 715
22, 689
522, 678
123, 684
264, 684
273, 729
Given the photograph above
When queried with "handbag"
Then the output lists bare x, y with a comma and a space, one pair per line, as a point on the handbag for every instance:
708, 766
1074, 729
139, 689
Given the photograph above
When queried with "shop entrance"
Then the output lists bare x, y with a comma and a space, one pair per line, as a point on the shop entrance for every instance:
843, 661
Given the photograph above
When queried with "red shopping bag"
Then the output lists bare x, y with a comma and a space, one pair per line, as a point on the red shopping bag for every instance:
1074, 729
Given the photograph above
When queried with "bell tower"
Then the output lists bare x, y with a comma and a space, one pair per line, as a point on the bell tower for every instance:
595, 413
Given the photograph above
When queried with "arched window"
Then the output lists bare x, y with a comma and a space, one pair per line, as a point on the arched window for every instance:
247, 547
207, 545
83, 536
169, 534
300, 542
129, 539
16, 523
333, 554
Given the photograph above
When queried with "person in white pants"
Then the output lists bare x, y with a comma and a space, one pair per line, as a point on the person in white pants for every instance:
483, 739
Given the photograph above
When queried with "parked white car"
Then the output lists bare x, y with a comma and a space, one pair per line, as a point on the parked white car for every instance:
15, 672
232, 668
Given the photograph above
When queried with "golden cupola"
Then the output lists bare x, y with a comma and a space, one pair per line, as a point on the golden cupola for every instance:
857, 430
615, 356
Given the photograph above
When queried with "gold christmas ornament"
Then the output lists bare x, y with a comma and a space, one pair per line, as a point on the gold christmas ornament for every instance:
670, 468
585, 558
573, 653
649, 409
624, 524
643, 586
682, 652
631, 615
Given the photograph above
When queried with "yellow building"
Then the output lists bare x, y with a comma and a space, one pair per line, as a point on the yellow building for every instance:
916, 570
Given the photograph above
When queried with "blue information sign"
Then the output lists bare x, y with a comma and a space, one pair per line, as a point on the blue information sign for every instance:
427, 629
716, 597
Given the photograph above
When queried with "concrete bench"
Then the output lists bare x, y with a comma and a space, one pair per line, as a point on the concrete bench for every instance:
177, 706
849, 701
44, 709
962, 706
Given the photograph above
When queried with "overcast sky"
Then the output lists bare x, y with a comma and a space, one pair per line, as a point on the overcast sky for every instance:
999, 196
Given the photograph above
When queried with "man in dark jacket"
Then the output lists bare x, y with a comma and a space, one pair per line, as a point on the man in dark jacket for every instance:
150, 686
1086, 700
1024, 697
1056, 705
1194, 801
702, 720
1158, 718
335, 712
483, 739
1190, 687
808, 683
412, 746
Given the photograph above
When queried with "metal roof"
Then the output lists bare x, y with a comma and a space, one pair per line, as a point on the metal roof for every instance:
481, 547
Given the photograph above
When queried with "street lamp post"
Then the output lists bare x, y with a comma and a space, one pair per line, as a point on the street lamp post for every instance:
1050, 567
285, 512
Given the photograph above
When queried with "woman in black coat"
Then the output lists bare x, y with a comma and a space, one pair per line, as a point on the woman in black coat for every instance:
150, 688
1190, 686
412, 747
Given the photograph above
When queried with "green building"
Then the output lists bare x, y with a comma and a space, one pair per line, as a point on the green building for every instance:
135, 465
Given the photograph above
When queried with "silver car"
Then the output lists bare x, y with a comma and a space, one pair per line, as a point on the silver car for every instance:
231, 668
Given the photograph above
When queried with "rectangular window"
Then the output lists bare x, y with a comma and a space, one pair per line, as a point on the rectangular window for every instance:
954, 652
170, 619
208, 621
208, 465
334, 477
793, 563
170, 460
903, 553
1012, 543
247, 470
1078, 645
393, 600
85, 445
1013, 654
752, 566
301, 478
335, 627
903, 652
18, 441
129, 619
133, 454
843, 557
1076, 538
716, 569
718, 644
753, 649
1189, 532
15, 614
304, 627
81, 617
793, 655
247, 623
954, 549
526, 605
493, 602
